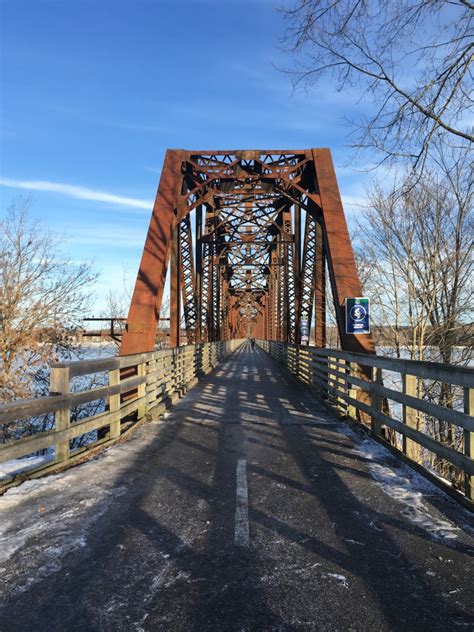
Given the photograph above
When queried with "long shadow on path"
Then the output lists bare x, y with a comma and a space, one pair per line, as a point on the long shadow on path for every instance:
329, 550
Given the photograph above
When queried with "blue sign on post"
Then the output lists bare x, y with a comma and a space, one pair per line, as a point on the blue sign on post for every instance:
304, 328
357, 315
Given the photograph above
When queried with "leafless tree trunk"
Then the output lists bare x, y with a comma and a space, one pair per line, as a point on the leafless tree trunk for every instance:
42, 298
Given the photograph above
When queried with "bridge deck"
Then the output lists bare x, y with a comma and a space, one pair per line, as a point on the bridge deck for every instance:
249, 508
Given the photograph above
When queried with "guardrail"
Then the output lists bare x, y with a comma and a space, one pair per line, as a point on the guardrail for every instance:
352, 385
136, 385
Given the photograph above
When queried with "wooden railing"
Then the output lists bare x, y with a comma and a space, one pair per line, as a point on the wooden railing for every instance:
352, 384
136, 385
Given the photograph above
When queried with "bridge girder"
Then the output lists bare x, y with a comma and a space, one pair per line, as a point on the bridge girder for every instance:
228, 224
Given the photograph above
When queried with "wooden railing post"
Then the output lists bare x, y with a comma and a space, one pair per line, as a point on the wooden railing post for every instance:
410, 415
141, 392
114, 404
199, 368
341, 385
469, 442
351, 369
377, 401
60, 385
331, 382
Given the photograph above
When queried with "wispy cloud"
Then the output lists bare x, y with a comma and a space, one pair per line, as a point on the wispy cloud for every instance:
77, 192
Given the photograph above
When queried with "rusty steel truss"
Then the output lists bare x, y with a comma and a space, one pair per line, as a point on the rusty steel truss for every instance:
247, 236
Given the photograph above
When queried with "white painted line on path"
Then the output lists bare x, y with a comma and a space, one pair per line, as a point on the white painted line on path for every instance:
241, 537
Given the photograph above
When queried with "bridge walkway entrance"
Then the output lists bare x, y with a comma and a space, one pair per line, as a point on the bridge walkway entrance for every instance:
248, 508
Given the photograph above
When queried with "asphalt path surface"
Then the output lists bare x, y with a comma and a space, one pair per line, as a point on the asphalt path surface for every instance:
248, 508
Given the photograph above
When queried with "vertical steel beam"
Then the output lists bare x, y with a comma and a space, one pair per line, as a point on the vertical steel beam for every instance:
281, 306
289, 276
206, 292
307, 285
206, 278
148, 293
175, 283
199, 273
340, 257
224, 316
297, 211
216, 293
276, 329
320, 290
187, 279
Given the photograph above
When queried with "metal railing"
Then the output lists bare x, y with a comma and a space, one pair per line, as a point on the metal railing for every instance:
135, 386
352, 384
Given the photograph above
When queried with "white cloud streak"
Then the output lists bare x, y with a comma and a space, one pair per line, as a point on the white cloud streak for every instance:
77, 192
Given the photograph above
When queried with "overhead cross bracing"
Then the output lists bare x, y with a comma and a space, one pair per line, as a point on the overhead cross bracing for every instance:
246, 236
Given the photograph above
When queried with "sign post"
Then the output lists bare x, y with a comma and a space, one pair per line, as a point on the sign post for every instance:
357, 315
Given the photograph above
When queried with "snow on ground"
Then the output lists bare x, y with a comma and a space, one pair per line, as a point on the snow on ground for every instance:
17, 466
412, 490
341, 579
44, 520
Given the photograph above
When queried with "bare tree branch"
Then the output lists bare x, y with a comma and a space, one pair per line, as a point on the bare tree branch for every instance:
42, 298
414, 57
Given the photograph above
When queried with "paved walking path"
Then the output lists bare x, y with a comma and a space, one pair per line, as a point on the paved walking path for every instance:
249, 508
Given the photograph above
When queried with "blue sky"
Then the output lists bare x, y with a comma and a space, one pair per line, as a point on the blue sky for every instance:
94, 91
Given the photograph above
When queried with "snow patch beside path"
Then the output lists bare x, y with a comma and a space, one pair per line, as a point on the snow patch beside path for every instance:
406, 486
17, 466
44, 520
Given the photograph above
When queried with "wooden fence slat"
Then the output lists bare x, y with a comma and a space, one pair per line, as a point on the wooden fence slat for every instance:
43, 405
469, 442
60, 385
335, 383
114, 403
460, 376
43, 440
377, 400
172, 371
450, 415
410, 417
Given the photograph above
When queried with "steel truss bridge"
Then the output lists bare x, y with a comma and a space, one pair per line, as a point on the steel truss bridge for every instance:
249, 505
246, 237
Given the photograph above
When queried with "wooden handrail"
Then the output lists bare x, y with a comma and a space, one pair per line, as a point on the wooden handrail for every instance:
23, 409
161, 375
337, 380
457, 375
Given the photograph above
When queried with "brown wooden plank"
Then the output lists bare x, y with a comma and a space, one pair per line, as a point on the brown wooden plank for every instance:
27, 445
44, 405
461, 376
455, 417
453, 456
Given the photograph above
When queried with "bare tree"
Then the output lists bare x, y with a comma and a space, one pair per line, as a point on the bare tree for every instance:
413, 58
417, 249
43, 295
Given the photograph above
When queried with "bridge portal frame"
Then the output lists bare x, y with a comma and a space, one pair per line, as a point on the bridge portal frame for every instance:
201, 275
